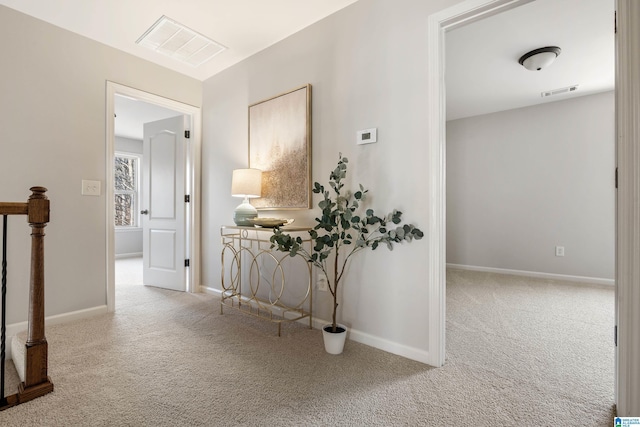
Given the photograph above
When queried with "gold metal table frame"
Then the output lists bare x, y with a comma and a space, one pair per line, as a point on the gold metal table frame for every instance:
247, 286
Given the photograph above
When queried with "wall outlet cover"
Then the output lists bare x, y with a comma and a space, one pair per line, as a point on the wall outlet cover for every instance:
90, 188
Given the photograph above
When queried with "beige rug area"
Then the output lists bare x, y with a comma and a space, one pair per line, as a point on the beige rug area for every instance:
520, 352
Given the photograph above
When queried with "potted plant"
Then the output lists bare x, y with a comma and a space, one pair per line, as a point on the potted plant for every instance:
342, 231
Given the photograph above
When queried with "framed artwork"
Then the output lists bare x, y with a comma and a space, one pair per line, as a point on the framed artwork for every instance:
280, 146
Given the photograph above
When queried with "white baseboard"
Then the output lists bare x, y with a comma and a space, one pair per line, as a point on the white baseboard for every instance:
57, 319
210, 291
131, 255
581, 279
358, 336
389, 346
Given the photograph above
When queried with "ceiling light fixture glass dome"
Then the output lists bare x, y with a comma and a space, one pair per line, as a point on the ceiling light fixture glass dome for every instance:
540, 58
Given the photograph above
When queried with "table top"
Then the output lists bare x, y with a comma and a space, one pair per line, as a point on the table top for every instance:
270, 229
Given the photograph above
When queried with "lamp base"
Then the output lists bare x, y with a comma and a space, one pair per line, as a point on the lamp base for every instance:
243, 213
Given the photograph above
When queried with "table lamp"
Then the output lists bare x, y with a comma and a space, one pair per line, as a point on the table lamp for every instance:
246, 183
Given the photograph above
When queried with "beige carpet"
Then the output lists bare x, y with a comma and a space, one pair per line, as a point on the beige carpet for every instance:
520, 353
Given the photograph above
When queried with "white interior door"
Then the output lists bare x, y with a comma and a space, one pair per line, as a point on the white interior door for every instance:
163, 203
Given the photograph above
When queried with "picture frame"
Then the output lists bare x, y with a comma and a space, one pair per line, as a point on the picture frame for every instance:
280, 146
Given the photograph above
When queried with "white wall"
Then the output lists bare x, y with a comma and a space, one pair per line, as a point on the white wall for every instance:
53, 134
523, 181
367, 65
128, 241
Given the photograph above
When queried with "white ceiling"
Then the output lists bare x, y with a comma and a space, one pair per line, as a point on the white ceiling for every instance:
482, 70
243, 26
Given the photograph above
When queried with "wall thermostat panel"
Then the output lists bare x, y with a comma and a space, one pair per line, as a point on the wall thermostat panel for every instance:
367, 136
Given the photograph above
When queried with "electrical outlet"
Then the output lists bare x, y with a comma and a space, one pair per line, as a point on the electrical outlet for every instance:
559, 250
322, 284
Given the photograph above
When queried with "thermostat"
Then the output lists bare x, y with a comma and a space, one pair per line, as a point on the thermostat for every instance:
367, 136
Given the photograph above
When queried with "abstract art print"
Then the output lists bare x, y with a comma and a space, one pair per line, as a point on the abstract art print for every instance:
280, 146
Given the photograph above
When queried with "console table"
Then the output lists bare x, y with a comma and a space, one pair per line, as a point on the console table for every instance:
259, 281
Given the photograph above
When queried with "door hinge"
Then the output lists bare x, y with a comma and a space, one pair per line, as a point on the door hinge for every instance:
615, 22
187, 198
616, 177
187, 134
186, 263
615, 335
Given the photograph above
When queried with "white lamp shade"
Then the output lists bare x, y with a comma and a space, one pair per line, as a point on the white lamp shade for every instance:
246, 183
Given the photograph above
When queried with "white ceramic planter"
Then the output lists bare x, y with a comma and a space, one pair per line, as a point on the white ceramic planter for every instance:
334, 341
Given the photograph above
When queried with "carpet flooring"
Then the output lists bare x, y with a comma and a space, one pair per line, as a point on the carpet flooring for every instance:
520, 352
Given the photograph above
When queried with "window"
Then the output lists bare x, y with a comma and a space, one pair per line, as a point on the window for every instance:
126, 186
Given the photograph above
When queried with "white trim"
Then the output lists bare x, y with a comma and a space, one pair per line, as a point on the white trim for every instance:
628, 210
129, 255
358, 336
553, 276
210, 291
128, 229
390, 346
194, 156
15, 328
457, 15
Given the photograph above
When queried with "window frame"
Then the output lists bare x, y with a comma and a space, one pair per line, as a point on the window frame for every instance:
136, 194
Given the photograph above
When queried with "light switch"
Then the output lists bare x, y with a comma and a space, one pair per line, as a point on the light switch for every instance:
90, 188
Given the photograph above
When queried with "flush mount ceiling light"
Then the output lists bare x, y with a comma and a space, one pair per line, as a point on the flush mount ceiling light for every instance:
175, 40
538, 59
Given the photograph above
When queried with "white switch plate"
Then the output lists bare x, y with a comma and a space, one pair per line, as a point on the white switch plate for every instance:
559, 250
90, 188
367, 136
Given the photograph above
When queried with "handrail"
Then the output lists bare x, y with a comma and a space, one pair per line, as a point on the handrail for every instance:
36, 381
11, 208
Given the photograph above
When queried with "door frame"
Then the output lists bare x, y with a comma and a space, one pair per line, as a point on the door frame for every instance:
628, 158
192, 179
439, 23
628, 210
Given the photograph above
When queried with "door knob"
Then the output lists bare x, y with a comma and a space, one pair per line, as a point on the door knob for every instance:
144, 212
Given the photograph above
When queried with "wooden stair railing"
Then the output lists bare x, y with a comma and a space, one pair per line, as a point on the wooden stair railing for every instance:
36, 380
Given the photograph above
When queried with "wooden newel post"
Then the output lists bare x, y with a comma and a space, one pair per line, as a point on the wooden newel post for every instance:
36, 346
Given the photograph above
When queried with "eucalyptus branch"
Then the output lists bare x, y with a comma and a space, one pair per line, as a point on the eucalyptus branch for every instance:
340, 218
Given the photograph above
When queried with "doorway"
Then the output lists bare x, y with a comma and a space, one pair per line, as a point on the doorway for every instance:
627, 70
117, 93
131, 185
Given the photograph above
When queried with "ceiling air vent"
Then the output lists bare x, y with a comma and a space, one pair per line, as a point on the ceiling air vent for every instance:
173, 39
559, 91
